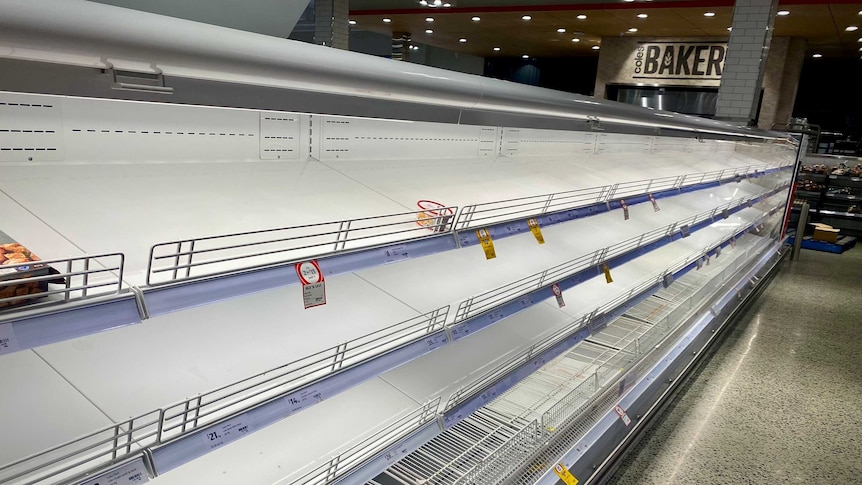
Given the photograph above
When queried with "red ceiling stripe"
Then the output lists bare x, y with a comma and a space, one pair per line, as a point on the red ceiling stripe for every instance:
580, 7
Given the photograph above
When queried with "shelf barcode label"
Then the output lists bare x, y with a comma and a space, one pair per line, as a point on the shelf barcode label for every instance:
226, 432
8, 342
487, 243
131, 472
302, 399
565, 475
536, 230
395, 253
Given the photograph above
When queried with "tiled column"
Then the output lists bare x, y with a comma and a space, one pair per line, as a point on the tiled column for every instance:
401, 46
330, 23
739, 93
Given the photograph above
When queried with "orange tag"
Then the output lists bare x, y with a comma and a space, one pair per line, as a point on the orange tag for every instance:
607, 270
486, 242
537, 231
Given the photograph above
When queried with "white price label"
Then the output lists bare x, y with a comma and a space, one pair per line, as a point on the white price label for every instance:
132, 472
558, 293
223, 433
314, 294
395, 253
8, 342
302, 399
622, 414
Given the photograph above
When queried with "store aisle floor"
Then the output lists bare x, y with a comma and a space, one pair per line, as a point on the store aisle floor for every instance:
779, 401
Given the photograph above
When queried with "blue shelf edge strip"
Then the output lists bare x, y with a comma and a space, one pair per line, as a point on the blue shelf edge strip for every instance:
482, 320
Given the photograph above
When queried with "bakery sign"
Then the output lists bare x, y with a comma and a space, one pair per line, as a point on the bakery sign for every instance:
679, 61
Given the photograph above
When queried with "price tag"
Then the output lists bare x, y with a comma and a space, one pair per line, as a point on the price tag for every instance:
685, 230
536, 230
313, 285
565, 475
496, 315
302, 399
131, 472
558, 293
622, 414
226, 432
655, 206
607, 271
625, 209
512, 227
8, 342
395, 253
486, 242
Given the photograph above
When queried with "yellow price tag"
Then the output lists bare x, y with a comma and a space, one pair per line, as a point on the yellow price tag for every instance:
486, 242
565, 475
607, 271
537, 231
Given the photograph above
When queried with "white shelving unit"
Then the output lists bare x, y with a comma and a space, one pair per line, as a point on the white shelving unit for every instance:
187, 221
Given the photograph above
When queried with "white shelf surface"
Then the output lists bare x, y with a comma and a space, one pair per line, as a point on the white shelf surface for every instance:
436, 374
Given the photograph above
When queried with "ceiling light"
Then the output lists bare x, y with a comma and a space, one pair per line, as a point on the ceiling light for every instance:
709, 14
429, 31
782, 13
462, 40
526, 17
496, 49
447, 5
429, 19
581, 17
578, 40
628, 1
560, 31
525, 56
642, 15
633, 29
817, 56
351, 22
730, 29
859, 40
386, 21
475, 19
595, 47
851, 28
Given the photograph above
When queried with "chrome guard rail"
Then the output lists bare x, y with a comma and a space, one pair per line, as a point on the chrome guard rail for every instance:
493, 298
184, 259
77, 278
115, 442
480, 215
343, 463
232, 399
507, 457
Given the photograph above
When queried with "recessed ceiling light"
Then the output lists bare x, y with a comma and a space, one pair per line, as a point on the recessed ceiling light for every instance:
475, 19
560, 31
447, 5
429, 19
642, 15
351, 22
525, 56
859, 40
595, 47
709, 14
782, 13
628, 1
526, 17
462, 40
581, 17
386, 21
429, 31
578, 40
496, 49
817, 56
851, 28
730, 29
633, 29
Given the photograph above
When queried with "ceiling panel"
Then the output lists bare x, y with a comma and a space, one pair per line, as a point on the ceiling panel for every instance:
501, 25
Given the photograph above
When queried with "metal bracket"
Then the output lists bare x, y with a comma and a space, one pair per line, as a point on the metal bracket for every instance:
140, 302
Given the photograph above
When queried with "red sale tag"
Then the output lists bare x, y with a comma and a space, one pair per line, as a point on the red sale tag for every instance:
313, 286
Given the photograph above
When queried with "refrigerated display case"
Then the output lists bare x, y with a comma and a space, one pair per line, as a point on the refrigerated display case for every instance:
177, 213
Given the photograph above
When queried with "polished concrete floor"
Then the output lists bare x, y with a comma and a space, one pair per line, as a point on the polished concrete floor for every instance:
781, 400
